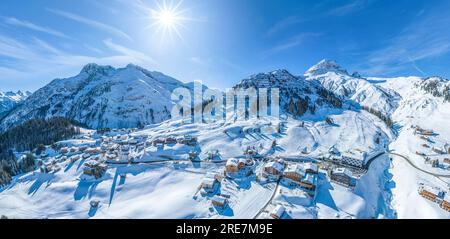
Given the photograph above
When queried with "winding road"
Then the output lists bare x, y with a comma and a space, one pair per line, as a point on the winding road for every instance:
268, 201
416, 167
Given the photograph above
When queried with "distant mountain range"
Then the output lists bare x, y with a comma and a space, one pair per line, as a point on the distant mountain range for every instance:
105, 97
331, 113
9, 100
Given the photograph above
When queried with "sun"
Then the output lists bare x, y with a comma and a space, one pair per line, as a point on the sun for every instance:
168, 18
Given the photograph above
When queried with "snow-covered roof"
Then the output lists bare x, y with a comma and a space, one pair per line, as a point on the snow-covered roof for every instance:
294, 168
232, 162
242, 160
355, 154
278, 211
344, 171
219, 199
434, 190
310, 178
91, 163
187, 137
275, 165
311, 166
333, 150
447, 197
207, 181
445, 163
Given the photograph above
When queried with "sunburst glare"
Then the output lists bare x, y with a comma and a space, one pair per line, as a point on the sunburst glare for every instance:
168, 18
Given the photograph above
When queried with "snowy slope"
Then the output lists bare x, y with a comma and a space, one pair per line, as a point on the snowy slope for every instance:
63, 195
100, 95
353, 87
411, 101
418, 108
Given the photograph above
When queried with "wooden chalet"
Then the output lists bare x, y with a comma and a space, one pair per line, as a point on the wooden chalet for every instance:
241, 163
94, 168
294, 173
219, 201
420, 153
342, 176
438, 150
274, 168
157, 142
311, 168
278, 212
64, 150
426, 138
193, 155
210, 184
188, 140
170, 140
250, 151
75, 158
93, 150
309, 181
430, 193
445, 204
232, 165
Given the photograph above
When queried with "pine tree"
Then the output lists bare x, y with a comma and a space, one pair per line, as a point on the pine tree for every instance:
29, 136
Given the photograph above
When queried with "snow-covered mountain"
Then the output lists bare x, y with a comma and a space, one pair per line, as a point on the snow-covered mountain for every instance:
9, 100
324, 67
297, 95
102, 97
422, 105
437, 86
107, 97
353, 87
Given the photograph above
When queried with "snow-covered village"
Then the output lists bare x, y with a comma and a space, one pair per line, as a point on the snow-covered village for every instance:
115, 140
336, 163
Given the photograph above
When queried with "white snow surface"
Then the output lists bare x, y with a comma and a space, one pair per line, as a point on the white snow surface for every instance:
154, 189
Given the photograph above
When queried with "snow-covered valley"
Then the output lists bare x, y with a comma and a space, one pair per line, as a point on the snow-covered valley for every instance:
327, 162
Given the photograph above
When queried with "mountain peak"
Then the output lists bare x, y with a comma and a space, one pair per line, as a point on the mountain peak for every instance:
277, 74
93, 68
436, 78
325, 66
133, 66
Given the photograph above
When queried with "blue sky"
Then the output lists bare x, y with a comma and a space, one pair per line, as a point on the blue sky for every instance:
222, 41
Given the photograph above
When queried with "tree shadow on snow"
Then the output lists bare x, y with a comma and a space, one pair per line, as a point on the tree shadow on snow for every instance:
40, 180
225, 211
85, 188
134, 170
69, 166
80, 164
92, 211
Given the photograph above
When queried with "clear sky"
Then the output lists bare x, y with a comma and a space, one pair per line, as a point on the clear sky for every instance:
221, 41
